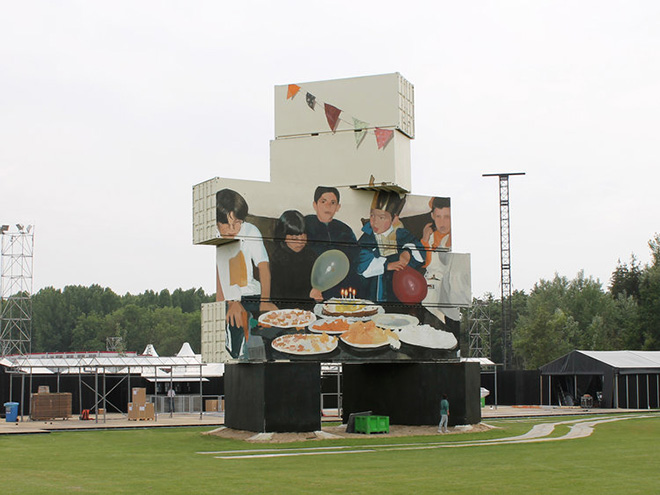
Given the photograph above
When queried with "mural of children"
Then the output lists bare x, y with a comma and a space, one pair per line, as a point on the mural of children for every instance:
235, 280
325, 232
291, 262
437, 234
385, 246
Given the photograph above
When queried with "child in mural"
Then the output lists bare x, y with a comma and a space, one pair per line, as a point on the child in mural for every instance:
291, 263
385, 246
437, 234
325, 232
235, 280
442, 279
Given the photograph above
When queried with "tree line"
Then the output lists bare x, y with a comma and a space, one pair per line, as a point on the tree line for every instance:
78, 318
557, 316
561, 315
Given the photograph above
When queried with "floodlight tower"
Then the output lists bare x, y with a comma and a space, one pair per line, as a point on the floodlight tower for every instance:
17, 248
505, 263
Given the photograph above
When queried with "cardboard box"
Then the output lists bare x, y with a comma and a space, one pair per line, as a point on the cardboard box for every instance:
132, 411
211, 405
50, 406
149, 411
139, 395
43, 389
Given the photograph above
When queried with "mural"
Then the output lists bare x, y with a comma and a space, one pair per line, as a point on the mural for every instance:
303, 285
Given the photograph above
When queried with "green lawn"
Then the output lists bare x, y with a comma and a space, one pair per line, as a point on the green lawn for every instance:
620, 457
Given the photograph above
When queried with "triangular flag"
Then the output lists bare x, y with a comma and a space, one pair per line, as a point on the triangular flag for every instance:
332, 114
311, 100
360, 128
292, 91
383, 137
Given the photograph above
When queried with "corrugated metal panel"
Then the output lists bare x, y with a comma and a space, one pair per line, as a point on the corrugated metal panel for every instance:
213, 333
204, 225
406, 107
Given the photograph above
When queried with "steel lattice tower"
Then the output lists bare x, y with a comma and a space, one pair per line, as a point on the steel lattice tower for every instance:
16, 289
505, 259
479, 323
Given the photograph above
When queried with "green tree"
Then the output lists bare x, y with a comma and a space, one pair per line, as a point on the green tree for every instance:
544, 336
576, 313
626, 278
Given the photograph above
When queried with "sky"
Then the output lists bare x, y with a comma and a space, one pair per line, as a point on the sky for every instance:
111, 111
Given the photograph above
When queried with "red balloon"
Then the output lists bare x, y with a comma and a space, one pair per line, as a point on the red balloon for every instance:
409, 285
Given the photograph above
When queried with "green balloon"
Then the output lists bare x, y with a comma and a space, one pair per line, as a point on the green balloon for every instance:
329, 269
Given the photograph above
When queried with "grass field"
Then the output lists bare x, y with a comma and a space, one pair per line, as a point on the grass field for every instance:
619, 457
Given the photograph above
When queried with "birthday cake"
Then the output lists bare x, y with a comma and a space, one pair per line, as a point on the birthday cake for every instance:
349, 307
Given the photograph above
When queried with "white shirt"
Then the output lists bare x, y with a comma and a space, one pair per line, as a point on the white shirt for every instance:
250, 245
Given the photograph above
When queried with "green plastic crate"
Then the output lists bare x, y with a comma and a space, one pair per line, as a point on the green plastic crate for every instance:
372, 424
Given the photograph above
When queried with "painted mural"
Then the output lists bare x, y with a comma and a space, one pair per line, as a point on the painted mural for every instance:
309, 285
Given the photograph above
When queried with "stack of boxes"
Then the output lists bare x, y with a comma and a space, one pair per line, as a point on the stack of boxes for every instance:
44, 405
139, 408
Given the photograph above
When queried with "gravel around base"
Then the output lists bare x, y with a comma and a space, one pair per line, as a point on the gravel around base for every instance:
337, 432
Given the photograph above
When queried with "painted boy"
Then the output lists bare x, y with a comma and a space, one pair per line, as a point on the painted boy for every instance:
325, 232
386, 246
437, 234
235, 263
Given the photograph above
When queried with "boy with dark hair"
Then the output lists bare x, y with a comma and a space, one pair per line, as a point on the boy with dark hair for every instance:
325, 232
235, 262
437, 234
291, 264
386, 247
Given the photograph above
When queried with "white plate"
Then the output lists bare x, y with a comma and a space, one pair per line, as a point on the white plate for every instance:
364, 346
287, 318
392, 340
303, 344
394, 321
316, 326
427, 336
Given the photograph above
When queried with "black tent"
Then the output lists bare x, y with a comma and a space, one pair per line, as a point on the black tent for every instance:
626, 379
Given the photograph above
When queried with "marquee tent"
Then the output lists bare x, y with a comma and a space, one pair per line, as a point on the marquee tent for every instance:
625, 379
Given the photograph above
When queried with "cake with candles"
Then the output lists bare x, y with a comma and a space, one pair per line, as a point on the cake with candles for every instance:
348, 305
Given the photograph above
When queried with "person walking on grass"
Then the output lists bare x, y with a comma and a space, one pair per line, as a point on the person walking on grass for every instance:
444, 414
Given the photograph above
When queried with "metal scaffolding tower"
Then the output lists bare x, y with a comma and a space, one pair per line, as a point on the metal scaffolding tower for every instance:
479, 323
16, 289
505, 258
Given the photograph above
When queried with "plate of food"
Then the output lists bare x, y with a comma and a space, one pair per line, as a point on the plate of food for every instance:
427, 336
331, 326
305, 344
287, 318
366, 335
347, 307
394, 321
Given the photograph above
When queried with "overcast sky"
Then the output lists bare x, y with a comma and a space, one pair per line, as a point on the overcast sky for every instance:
111, 111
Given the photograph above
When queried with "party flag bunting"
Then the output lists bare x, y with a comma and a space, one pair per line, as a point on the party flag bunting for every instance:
292, 91
360, 128
311, 100
383, 137
332, 114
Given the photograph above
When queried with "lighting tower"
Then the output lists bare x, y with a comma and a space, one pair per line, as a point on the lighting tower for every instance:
16, 289
505, 259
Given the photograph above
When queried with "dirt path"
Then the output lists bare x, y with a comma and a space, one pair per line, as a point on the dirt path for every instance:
579, 428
